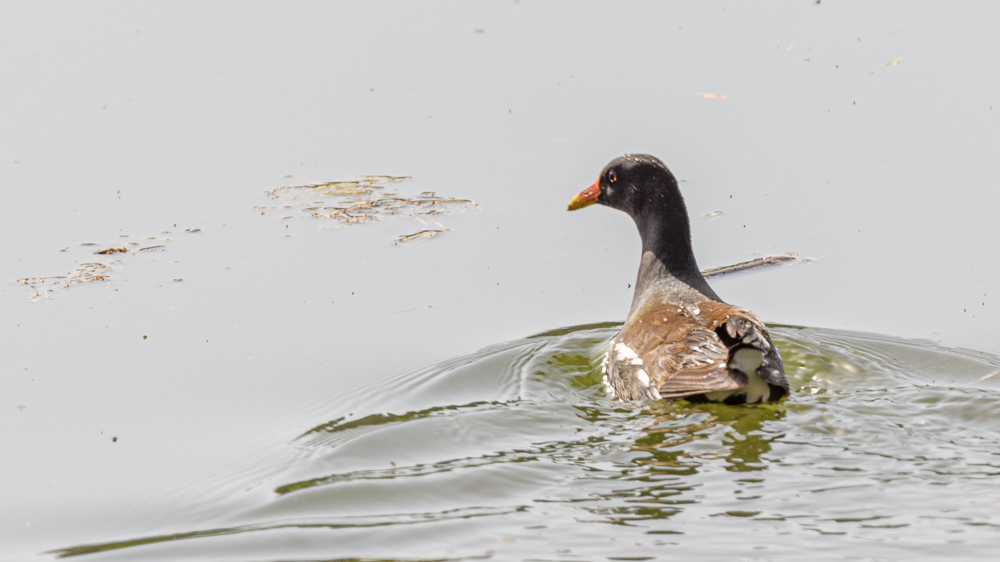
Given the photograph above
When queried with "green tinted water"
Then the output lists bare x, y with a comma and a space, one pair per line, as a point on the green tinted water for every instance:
887, 449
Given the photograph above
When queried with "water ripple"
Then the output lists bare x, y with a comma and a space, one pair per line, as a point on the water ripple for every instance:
887, 448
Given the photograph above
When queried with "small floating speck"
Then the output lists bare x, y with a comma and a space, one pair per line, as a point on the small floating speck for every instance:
177, 280
714, 214
112, 250
192, 230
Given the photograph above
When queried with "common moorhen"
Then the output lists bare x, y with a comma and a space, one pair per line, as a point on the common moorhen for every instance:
680, 339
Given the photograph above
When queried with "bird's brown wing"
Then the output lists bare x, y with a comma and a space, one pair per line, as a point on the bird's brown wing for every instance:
685, 350
695, 365
682, 355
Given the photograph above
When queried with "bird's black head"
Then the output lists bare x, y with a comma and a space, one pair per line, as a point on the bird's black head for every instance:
638, 184
644, 188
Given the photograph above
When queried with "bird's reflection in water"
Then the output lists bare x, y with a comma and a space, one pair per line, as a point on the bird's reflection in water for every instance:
674, 443
673, 427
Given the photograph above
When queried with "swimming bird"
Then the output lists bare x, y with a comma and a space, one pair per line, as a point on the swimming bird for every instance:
680, 339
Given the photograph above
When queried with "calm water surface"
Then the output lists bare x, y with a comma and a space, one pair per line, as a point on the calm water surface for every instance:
887, 449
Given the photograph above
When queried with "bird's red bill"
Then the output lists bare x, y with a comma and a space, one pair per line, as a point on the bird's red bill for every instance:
586, 197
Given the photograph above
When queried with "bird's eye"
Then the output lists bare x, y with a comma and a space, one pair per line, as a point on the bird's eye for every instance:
612, 176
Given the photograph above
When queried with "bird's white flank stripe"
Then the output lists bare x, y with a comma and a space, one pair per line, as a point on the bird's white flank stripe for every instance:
625, 354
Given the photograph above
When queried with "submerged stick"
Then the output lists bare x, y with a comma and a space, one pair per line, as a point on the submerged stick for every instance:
989, 376
752, 264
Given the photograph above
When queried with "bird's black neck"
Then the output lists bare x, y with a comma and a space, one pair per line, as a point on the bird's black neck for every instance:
668, 272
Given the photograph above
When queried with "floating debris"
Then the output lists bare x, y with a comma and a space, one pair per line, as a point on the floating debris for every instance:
713, 96
87, 273
192, 230
419, 235
752, 264
346, 203
895, 62
113, 250
92, 272
362, 186
714, 214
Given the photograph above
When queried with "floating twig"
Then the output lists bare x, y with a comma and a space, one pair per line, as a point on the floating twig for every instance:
752, 264
419, 235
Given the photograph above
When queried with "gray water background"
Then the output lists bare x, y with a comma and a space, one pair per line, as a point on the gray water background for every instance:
130, 118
